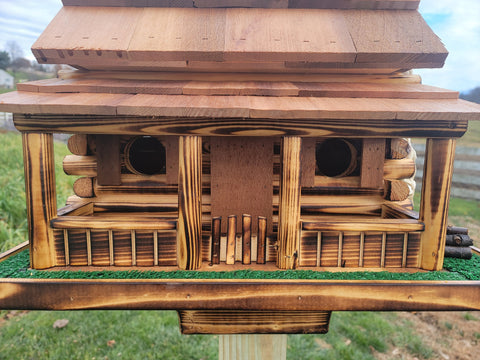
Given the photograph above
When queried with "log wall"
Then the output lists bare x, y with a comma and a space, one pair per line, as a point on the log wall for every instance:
152, 200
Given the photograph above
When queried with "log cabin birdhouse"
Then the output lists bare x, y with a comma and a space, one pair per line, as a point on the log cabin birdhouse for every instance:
265, 134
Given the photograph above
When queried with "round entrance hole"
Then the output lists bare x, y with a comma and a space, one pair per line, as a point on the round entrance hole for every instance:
145, 155
336, 157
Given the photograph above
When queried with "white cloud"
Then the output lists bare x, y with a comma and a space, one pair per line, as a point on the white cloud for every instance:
457, 23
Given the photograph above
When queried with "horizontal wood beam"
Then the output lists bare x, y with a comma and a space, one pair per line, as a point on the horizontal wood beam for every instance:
127, 222
151, 125
399, 225
197, 294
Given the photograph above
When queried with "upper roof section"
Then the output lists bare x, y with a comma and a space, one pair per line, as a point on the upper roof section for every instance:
272, 4
241, 39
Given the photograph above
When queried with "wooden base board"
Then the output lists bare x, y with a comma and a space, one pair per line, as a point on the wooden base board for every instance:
254, 322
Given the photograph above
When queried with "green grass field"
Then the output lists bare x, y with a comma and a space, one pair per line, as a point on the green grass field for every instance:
155, 334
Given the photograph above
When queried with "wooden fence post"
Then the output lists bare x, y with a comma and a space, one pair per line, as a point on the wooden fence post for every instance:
38, 158
189, 232
289, 203
437, 178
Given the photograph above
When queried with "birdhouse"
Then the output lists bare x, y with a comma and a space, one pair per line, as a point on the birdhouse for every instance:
248, 135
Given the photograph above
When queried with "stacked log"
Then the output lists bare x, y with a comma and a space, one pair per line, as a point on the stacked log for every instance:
457, 244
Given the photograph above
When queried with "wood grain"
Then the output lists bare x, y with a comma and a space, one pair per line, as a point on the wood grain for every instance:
189, 231
40, 191
437, 177
271, 295
241, 178
373, 159
253, 322
289, 203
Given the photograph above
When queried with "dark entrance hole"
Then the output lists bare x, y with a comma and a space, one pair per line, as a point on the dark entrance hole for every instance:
145, 155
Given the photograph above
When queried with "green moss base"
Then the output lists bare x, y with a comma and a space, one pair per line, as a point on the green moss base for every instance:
17, 266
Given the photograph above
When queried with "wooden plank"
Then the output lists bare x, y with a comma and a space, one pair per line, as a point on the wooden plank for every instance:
160, 35
78, 33
437, 177
19, 294
289, 203
241, 178
373, 159
240, 88
323, 36
231, 239
253, 322
216, 233
384, 225
40, 191
151, 125
130, 3
262, 239
394, 169
308, 162
109, 86
189, 231
113, 222
377, 35
355, 4
372, 90
396, 77
246, 239
108, 159
270, 4
15, 250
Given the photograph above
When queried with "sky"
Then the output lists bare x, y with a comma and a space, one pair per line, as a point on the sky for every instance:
456, 22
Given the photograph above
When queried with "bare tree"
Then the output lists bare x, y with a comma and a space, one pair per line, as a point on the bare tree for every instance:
14, 50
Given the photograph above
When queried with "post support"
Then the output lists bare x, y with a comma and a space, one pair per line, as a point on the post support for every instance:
437, 179
189, 231
38, 159
252, 347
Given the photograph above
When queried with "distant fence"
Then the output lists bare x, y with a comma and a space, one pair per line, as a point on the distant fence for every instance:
466, 171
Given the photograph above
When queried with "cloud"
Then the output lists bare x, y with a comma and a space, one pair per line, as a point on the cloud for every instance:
23, 21
457, 23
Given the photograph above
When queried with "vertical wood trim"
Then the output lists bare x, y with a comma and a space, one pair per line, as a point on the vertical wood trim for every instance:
319, 248
405, 249
189, 233
89, 246
340, 249
384, 246
110, 247
289, 202
216, 234
38, 159
67, 250
155, 248
246, 239
134, 247
261, 240
437, 179
108, 159
231, 239
373, 159
362, 247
